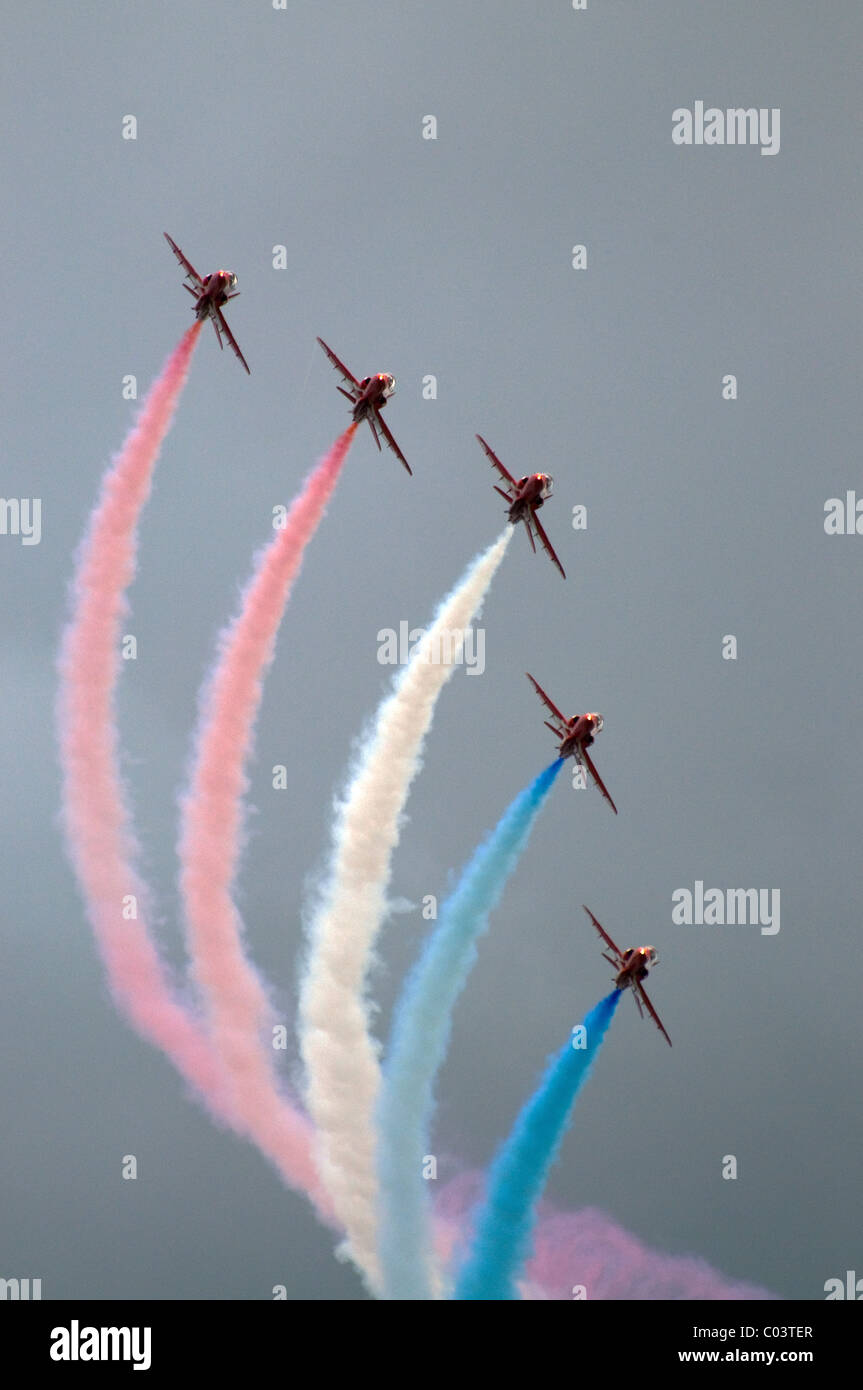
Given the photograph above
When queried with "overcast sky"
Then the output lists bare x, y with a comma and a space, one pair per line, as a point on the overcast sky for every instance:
452, 257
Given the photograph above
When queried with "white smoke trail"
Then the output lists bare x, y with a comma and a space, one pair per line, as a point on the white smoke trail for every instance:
336, 1042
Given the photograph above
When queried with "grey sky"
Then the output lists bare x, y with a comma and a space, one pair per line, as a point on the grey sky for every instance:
452, 257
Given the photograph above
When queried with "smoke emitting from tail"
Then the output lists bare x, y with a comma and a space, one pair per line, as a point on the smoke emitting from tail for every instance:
504, 1225
338, 1049
235, 997
96, 817
419, 1040
225, 1056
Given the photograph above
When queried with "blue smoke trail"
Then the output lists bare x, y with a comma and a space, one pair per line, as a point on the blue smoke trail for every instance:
419, 1040
504, 1225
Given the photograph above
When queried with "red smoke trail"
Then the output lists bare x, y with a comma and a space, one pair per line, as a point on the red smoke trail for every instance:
97, 820
210, 838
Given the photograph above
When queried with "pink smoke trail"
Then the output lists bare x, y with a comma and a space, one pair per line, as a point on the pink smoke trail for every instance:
96, 817
587, 1250
235, 996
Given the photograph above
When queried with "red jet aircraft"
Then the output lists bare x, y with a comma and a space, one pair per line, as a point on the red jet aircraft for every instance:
209, 294
632, 967
576, 735
525, 497
368, 398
